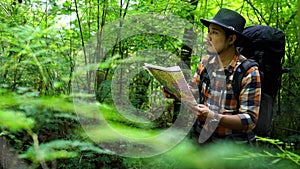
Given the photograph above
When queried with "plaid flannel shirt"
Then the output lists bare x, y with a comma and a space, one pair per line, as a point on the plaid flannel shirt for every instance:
219, 96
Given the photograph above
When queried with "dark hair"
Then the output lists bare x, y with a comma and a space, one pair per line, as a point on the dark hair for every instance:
228, 33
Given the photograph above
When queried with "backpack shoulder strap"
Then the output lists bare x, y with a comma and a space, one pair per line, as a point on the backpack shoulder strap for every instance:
239, 74
204, 78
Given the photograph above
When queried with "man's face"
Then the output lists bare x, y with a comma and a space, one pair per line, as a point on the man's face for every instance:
216, 39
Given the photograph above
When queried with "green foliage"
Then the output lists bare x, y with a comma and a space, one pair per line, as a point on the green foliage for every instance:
284, 154
72, 146
42, 41
218, 155
43, 129
59, 149
8, 120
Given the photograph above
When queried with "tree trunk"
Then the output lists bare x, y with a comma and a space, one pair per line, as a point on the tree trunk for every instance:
188, 38
186, 50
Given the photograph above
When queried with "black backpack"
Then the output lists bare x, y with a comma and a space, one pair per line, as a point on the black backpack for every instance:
265, 49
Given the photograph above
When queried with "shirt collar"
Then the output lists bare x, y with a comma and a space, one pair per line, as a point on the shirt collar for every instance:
230, 67
233, 63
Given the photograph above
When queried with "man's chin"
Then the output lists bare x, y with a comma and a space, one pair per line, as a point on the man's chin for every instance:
209, 52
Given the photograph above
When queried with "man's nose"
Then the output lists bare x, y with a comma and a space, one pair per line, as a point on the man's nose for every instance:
208, 38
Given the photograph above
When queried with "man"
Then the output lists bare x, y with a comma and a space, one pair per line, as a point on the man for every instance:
234, 118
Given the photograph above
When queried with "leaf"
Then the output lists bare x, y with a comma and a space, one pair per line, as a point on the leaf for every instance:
268, 153
48, 155
15, 121
275, 161
59, 149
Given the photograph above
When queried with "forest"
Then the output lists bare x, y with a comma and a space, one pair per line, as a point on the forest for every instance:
74, 93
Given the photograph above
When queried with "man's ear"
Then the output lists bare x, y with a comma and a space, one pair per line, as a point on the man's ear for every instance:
232, 39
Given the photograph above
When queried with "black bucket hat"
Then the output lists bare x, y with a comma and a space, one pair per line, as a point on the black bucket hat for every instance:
229, 20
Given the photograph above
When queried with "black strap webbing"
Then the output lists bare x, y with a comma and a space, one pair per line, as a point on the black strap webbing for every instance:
239, 74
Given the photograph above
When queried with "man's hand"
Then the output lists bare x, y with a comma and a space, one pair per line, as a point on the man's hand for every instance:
168, 94
202, 112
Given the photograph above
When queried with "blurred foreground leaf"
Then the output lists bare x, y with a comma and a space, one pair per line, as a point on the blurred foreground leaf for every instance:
60, 149
219, 155
15, 120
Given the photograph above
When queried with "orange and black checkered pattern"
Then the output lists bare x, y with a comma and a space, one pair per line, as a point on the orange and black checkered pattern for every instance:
218, 94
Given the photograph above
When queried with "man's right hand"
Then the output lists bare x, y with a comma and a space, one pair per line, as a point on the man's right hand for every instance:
168, 94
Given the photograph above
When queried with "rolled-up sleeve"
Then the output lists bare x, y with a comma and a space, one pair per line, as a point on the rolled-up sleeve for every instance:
249, 98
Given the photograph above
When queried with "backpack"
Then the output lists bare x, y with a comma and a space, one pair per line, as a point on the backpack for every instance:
266, 50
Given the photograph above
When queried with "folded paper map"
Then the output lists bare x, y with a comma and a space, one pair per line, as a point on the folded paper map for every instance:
173, 80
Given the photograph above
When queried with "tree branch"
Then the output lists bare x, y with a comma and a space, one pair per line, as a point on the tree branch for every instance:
257, 13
